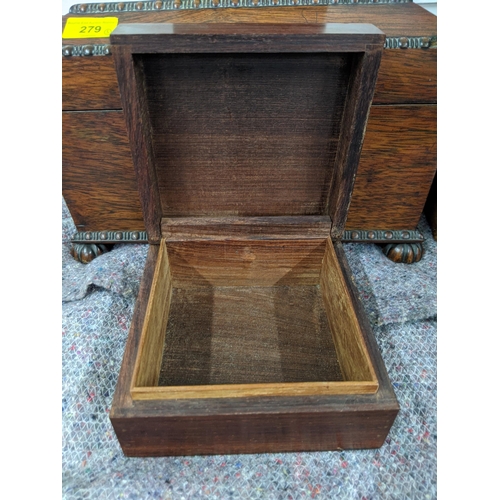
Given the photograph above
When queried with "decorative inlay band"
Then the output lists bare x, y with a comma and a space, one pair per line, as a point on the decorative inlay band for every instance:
411, 42
110, 237
86, 50
400, 42
158, 5
354, 235
422, 42
381, 236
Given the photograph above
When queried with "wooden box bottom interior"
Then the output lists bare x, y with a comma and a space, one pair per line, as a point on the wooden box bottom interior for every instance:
249, 318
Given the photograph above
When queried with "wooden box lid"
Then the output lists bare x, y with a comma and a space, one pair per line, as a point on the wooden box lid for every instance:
246, 120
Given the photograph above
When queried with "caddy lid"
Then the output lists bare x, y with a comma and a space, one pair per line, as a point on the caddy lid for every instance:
246, 120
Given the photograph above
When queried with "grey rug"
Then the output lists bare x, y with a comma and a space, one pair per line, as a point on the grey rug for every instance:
98, 302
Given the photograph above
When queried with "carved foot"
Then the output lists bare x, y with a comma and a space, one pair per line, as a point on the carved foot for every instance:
86, 252
407, 253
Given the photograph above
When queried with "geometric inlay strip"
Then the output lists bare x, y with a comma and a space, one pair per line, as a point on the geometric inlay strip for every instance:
399, 42
110, 237
159, 5
353, 235
382, 236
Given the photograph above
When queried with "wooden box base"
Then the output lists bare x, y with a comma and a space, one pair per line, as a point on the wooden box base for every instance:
250, 346
248, 335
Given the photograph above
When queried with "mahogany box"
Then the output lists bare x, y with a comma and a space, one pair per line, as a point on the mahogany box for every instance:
248, 334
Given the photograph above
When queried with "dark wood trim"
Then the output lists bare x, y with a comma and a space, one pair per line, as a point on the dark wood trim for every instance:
358, 102
136, 116
122, 398
400, 42
239, 37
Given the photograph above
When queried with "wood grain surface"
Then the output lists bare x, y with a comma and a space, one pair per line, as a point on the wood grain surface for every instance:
362, 80
252, 135
89, 83
241, 38
249, 337
317, 429
98, 179
138, 121
352, 353
245, 263
226, 391
149, 361
246, 228
398, 157
394, 20
121, 397
396, 169
247, 134
406, 76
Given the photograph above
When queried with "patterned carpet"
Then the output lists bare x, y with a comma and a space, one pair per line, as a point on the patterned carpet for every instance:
98, 302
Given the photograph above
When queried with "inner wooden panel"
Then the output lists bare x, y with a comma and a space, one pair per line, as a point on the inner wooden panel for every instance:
353, 353
245, 134
196, 264
147, 368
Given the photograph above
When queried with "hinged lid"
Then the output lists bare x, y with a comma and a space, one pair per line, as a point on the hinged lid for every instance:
245, 120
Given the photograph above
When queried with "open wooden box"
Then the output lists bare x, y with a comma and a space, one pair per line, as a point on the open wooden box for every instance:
248, 335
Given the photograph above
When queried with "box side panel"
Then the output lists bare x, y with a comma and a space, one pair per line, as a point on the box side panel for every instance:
258, 433
359, 97
352, 351
407, 76
396, 168
245, 263
155, 324
98, 178
377, 364
89, 83
121, 398
246, 228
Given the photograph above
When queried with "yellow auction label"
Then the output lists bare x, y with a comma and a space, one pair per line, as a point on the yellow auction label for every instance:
89, 27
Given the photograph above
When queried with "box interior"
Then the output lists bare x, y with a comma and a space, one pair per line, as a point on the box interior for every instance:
237, 335
252, 317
